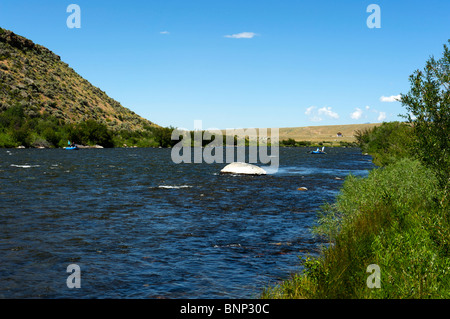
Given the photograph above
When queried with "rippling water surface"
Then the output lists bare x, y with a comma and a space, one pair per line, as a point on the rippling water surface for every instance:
140, 226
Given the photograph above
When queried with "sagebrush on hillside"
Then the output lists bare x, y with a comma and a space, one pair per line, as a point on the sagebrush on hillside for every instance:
34, 77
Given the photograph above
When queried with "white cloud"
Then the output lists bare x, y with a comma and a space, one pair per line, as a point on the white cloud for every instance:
315, 118
382, 116
164, 32
316, 115
309, 110
242, 35
357, 114
328, 112
392, 98
367, 107
313, 114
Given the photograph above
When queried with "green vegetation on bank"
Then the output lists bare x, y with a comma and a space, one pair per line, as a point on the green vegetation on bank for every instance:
398, 217
24, 126
387, 143
290, 142
393, 219
44, 130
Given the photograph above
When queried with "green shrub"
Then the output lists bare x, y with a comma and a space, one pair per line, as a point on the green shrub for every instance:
395, 219
387, 143
428, 105
288, 142
304, 143
6, 140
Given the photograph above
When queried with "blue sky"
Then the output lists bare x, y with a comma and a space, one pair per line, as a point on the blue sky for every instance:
231, 64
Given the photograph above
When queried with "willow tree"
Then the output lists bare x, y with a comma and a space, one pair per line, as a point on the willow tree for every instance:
428, 103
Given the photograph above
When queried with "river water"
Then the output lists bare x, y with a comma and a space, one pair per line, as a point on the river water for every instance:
140, 226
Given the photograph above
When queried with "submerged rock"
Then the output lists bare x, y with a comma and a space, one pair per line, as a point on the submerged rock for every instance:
243, 168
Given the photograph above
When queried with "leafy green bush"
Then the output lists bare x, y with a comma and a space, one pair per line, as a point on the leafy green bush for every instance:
387, 143
163, 136
33, 129
428, 104
304, 143
7, 141
395, 219
288, 142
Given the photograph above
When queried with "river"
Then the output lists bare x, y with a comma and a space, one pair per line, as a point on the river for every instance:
140, 226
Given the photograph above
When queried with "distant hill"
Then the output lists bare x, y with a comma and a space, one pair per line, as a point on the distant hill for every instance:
34, 77
324, 133
332, 134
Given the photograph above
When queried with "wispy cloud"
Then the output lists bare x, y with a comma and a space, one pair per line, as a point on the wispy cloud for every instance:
328, 112
316, 115
309, 110
242, 35
357, 114
392, 98
164, 32
381, 116
360, 113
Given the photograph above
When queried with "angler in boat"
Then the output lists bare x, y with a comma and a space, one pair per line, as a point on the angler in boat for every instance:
72, 146
318, 151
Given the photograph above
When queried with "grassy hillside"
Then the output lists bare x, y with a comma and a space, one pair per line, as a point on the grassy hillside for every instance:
314, 135
34, 77
324, 133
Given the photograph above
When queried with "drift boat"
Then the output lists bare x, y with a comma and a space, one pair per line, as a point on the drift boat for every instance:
71, 147
318, 151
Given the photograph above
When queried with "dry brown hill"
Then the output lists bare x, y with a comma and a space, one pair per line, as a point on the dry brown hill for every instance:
36, 78
333, 134
324, 133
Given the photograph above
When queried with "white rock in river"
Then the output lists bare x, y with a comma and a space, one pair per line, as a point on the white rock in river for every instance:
243, 168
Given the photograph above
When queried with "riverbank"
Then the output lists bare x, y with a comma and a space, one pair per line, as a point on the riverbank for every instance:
387, 235
394, 219
307, 147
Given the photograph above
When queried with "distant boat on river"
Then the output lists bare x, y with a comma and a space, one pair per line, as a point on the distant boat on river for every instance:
318, 151
71, 147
